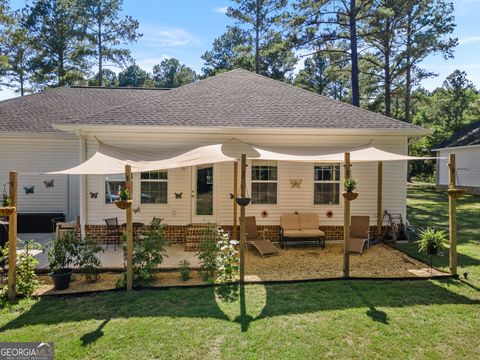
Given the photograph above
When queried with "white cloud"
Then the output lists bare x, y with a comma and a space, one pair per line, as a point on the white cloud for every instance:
469, 40
148, 63
220, 10
154, 36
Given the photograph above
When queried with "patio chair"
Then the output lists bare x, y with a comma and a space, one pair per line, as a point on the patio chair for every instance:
113, 232
360, 233
156, 222
257, 238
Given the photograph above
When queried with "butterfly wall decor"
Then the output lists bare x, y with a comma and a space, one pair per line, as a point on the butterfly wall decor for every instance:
295, 183
231, 196
29, 189
178, 195
136, 210
93, 195
49, 183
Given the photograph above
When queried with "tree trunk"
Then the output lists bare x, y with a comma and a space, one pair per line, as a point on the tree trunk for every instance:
61, 77
100, 55
387, 87
257, 38
408, 76
354, 54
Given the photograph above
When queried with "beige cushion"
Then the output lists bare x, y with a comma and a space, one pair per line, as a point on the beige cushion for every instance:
289, 222
293, 233
308, 221
312, 232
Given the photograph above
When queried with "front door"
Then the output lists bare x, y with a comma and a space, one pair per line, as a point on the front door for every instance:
203, 194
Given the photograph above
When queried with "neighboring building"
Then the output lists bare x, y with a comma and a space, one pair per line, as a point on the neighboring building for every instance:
237, 104
466, 146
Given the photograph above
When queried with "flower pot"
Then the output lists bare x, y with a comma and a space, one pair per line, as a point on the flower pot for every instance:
61, 278
350, 195
456, 193
242, 201
7, 210
432, 249
123, 204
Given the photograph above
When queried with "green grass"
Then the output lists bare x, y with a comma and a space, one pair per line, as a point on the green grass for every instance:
422, 319
338, 319
428, 207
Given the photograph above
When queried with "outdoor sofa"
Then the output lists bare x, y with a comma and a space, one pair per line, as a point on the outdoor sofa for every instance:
301, 227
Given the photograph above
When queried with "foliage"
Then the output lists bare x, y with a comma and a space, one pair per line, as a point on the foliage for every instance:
227, 259
87, 259
171, 74
63, 252
185, 270
432, 240
134, 76
109, 78
6, 200
124, 193
208, 252
350, 184
147, 255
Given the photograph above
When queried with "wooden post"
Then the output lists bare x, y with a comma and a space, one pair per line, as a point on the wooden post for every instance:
452, 208
346, 222
12, 236
129, 219
379, 198
235, 194
243, 185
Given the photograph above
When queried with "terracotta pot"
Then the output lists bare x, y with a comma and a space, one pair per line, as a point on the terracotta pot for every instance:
7, 210
350, 195
123, 204
243, 201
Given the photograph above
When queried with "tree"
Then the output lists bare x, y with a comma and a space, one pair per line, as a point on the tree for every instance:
314, 75
106, 30
325, 26
109, 78
171, 74
57, 31
134, 76
260, 17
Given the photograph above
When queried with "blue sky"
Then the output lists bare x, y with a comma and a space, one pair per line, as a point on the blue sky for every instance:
185, 29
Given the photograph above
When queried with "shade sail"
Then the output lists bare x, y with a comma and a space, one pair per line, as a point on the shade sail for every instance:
112, 159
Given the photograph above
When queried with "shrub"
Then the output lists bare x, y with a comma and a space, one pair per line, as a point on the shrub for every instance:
208, 252
184, 270
431, 241
227, 259
350, 184
63, 252
87, 259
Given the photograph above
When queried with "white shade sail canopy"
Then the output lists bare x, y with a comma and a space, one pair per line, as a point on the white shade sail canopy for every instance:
112, 159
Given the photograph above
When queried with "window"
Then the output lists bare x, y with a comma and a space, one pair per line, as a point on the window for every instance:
113, 184
264, 183
327, 184
154, 187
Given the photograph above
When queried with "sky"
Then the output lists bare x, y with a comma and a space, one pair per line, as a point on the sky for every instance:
185, 29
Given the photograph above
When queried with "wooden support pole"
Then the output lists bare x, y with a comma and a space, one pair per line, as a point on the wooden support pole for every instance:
379, 198
346, 222
129, 220
452, 210
243, 186
12, 236
235, 207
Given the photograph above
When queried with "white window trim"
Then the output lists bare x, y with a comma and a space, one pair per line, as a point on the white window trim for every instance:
155, 181
263, 163
339, 182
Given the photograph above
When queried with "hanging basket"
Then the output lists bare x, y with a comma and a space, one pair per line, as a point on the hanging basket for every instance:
350, 195
456, 193
7, 210
123, 204
242, 201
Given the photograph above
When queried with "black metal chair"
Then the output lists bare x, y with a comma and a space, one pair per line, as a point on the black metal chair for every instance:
156, 222
114, 232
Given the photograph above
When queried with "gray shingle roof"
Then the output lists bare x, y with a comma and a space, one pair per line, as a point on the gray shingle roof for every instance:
240, 98
468, 136
35, 113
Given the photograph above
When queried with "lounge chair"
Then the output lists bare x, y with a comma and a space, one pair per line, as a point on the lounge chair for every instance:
360, 233
257, 238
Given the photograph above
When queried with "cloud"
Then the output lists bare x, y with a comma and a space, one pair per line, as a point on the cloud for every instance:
154, 36
469, 40
220, 10
148, 63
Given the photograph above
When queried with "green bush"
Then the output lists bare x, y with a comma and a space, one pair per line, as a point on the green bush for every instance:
228, 265
208, 252
63, 252
185, 270
431, 241
87, 259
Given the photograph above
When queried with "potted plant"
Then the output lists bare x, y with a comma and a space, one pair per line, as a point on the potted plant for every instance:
6, 209
124, 195
350, 185
61, 256
431, 241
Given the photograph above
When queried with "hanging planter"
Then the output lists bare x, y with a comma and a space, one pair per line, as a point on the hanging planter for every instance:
7, 210
456, 193
123, 204
243, 201
350, 195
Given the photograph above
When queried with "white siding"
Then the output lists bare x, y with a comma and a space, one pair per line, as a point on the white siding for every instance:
468, 166
34, 155
179, 180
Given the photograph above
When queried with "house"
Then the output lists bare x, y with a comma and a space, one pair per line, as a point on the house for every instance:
466, 145
236, 104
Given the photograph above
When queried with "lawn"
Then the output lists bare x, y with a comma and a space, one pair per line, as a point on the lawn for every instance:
428, 207
415, 319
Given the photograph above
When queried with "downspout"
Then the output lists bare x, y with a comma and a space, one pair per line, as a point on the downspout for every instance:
82, 147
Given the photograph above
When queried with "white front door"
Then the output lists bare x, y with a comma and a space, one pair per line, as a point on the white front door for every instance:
203, 194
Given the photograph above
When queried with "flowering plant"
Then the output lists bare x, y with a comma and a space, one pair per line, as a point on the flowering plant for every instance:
124, 193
